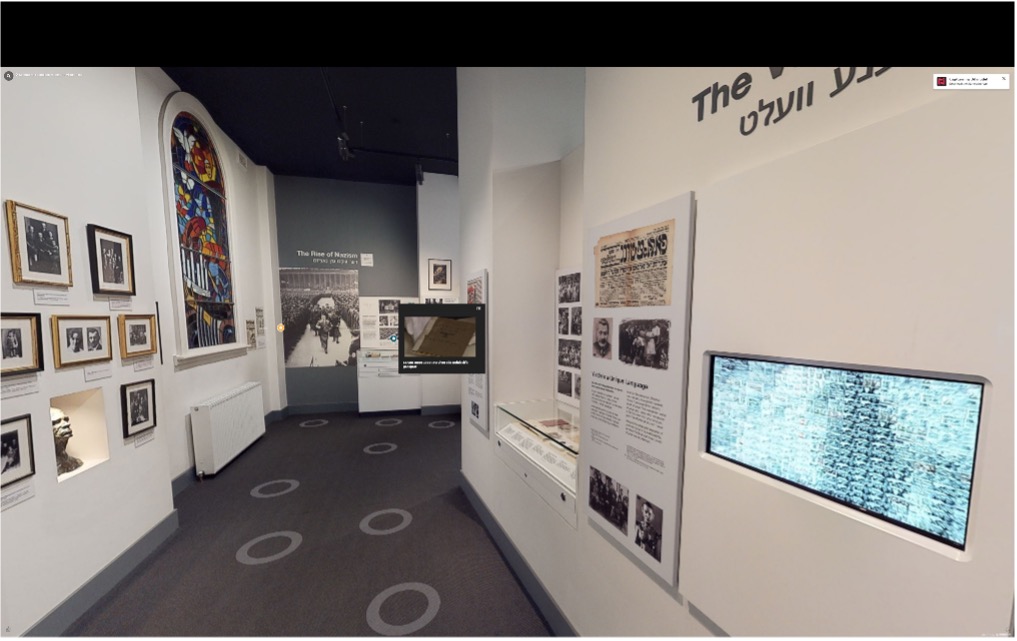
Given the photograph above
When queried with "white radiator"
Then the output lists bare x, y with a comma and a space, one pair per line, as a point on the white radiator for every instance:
225, 425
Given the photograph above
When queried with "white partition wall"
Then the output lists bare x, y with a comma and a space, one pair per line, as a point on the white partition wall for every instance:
828, 255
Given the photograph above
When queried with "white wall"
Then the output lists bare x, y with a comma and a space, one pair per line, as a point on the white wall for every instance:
438, 237
251, 207
72, 145
643, 145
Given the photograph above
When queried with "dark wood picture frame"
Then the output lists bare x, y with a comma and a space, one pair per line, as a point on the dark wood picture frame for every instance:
17, 456
111, 259
20, 332
137, 410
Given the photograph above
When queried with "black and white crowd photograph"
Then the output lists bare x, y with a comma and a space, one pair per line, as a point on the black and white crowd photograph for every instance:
644, 343
648, 527
388, 306
568, 288
577, 321
321, 314
610, 499
568, 353
564, 382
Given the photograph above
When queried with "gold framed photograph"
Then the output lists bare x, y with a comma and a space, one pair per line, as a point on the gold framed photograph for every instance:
111, 258
80, 339
40, 245
21, 335
137, 335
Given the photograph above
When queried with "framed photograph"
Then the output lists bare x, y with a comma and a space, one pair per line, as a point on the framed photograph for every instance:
137, 335
439, 272
80, 339
137, 406
111, 257
40, 245
21, 335
16, 449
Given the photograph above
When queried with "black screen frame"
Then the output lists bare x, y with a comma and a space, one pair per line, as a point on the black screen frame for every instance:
437, 364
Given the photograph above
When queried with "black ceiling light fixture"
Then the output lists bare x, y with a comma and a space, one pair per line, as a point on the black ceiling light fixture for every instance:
348, 152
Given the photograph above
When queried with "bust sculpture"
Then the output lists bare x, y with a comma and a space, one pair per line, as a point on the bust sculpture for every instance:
61, 434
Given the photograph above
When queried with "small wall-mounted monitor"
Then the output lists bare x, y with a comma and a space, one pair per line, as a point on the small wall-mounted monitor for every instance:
894, 446
442, 339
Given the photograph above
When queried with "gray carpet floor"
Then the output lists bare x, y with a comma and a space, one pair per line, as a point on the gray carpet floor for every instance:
430, 568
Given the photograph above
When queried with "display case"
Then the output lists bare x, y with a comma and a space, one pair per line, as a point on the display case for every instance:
539, 440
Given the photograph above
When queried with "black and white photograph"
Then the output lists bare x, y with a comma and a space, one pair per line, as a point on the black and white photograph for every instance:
388, 306
610, 499
475, 409
12, 343
43, 246
22, 343
386, 320
575, 393
94, 342
576, 328
568, 288
137, 406
16, 457
137, 335
564, 382
386, 333
563, 320
81, 339
644, 342
649, 518
111, 259
321, 315
568, 353
74, 341
112, 262
602, 338
439, 273
252, 334
39, 244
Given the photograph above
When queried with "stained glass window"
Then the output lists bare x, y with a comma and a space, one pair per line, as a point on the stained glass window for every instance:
205, 264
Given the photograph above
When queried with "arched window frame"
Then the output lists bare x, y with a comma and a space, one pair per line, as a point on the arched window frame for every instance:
187, 352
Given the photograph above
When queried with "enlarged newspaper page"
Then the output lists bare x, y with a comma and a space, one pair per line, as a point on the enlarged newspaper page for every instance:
633, 268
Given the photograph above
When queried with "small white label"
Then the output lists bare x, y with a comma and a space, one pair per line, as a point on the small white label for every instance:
261, 341
367, 260
16, 494
19, 387
51, 297
95, 372
144, 437
142, 364
120, 304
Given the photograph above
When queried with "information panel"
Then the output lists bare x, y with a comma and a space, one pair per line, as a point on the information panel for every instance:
636, 289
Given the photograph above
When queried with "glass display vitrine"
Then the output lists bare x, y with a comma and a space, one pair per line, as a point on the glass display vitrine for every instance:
545, 434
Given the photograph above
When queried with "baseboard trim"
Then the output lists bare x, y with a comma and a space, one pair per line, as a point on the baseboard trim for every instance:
554, 617
320, 408
73, 607
440, 409
276, 415
184, 481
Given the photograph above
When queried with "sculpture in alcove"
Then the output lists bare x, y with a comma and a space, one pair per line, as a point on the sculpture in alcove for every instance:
61, 434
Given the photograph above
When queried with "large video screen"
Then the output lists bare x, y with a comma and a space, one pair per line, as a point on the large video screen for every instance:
442, 339
901, 448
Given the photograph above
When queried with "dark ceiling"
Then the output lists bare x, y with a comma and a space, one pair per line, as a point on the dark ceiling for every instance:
395, 118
